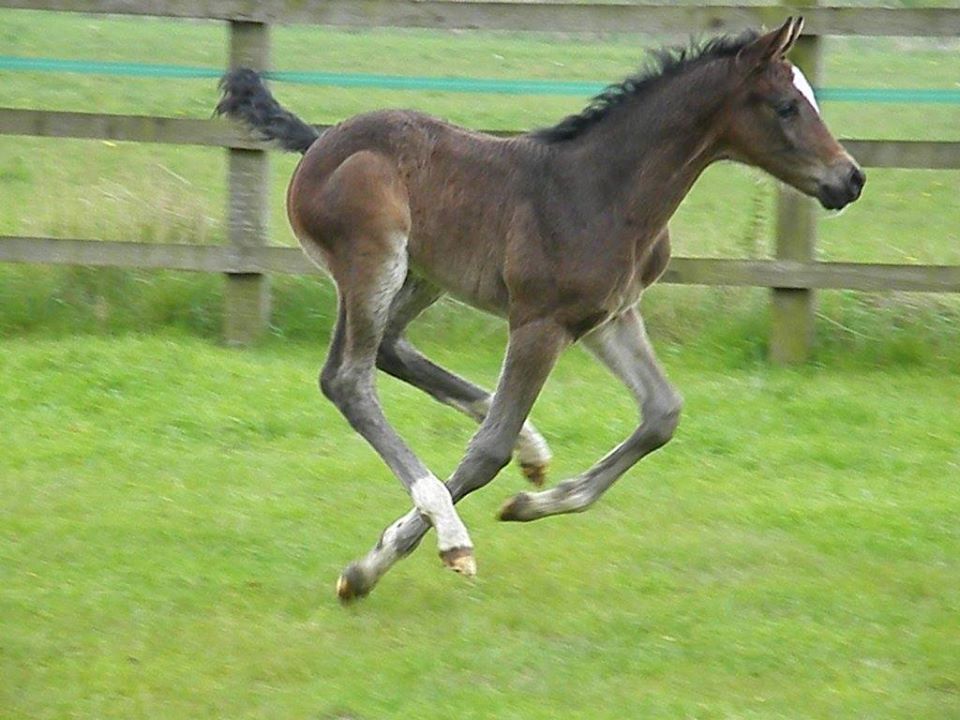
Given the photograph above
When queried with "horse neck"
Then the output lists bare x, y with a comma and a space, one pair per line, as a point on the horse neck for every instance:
646, 154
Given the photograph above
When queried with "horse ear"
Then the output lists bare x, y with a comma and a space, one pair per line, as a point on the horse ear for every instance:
771, 46
797, 29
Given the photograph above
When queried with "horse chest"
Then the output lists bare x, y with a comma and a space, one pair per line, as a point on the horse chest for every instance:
614, 285
629, 273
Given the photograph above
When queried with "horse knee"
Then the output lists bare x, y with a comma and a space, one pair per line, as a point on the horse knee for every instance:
338, 384
328, 383
662, 420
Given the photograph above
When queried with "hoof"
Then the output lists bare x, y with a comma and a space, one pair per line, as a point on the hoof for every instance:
516, 509
536, 474
352, 585
460, 560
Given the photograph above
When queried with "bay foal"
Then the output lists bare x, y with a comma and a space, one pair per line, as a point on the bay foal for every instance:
559, 231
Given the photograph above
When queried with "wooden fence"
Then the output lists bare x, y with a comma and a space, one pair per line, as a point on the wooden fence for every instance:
792, 276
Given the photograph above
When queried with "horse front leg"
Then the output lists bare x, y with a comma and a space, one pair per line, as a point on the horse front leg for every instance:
531, 354
622, 345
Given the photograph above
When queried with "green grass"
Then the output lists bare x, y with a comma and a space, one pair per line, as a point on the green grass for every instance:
175, 515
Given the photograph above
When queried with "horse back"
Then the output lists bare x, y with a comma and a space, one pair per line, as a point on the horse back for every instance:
462, 193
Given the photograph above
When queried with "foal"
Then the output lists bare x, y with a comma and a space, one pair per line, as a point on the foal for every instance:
559, 231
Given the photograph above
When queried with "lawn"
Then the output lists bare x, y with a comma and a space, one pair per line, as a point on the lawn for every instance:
175, 513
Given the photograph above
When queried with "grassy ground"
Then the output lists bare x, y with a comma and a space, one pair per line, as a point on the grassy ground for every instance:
175, 513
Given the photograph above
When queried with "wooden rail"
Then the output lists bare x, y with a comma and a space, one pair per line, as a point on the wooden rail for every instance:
246, 260
253, 260
548, 16
917, 154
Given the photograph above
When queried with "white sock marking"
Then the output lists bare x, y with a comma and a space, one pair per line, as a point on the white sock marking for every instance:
802, 84
433, 499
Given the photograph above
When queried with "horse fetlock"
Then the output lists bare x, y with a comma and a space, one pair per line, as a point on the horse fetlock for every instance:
570, 496
432, 498
487, 461
478, 467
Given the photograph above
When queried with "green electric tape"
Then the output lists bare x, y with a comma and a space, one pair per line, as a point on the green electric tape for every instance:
435, 84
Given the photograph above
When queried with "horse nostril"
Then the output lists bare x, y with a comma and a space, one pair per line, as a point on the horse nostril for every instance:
857, 178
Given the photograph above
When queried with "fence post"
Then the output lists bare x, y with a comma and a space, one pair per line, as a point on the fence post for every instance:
792, 311
247, 295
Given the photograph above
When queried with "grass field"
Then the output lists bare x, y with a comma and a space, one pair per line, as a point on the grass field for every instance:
175, 513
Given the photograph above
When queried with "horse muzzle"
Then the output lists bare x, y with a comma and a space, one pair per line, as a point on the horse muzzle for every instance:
840, 192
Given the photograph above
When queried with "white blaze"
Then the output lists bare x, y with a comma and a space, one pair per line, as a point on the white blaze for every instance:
801, 83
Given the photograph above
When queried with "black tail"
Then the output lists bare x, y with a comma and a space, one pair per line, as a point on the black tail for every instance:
246, 98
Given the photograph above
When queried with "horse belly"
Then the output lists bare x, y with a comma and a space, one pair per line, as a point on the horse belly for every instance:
463, 270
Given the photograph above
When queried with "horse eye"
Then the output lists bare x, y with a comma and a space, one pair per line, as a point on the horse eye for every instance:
788, 109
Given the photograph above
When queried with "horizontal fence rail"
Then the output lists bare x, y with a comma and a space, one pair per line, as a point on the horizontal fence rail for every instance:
916, 154
287, 260
125, 128
530, 16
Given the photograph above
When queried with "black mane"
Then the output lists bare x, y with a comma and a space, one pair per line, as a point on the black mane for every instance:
665, 62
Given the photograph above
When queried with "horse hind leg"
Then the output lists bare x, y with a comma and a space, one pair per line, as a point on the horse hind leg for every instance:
347, 380
369, 265
398, 357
